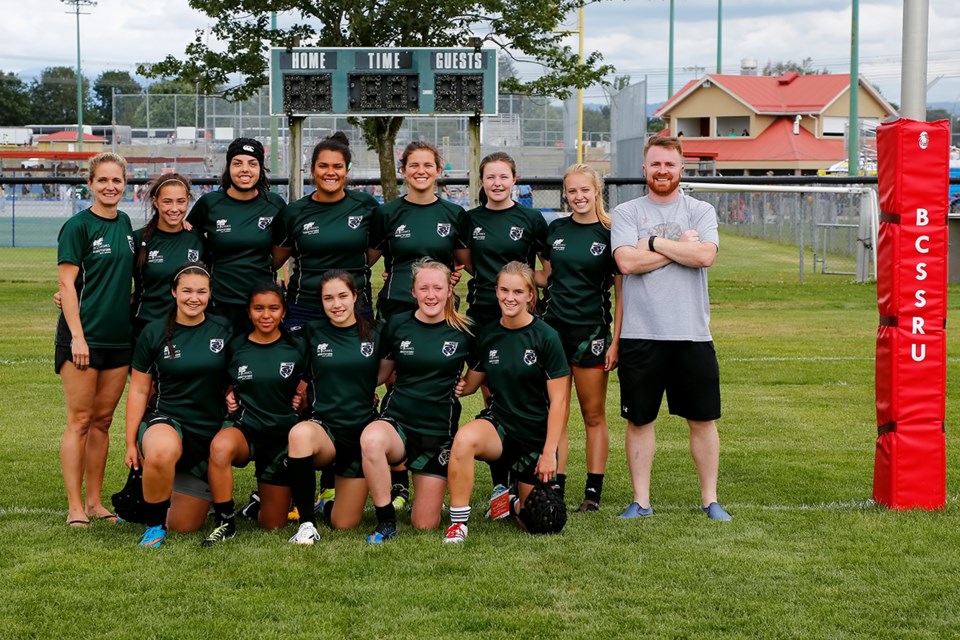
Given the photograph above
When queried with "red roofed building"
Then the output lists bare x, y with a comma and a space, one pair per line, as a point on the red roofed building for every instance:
67, 141
754, 124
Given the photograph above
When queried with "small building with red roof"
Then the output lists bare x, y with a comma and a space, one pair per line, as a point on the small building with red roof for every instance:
752, 125
67, 141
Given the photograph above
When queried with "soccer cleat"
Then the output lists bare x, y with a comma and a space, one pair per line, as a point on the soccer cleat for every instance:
400, 496
222, 532
251, 510
588, 506
499, 503
636, 511
457, 532
716, 512
327, 495
384, 531
153, 537
306, 534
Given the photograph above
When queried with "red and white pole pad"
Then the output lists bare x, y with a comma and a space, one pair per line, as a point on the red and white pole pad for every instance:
914, 174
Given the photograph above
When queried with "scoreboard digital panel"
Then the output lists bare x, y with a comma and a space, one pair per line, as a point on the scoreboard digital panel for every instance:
416, 81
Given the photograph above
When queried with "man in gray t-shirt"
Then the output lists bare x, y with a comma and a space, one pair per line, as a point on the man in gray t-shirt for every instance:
663, 244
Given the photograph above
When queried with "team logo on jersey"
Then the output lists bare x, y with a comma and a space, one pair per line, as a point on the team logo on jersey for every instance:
222, 226
597, 248
406, 348
324, 350
154, 257
244, 373
216, 345
402, 232
100, 247
493, 357
354, 221
443, 457
310, 229
516, 233
443, 229
133, 247
193, 255
478, 233
449, 348
558, 245
366, 349
286, 369
264, 222
596, 346
529, 357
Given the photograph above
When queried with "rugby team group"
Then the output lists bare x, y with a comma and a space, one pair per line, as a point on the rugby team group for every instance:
229, 363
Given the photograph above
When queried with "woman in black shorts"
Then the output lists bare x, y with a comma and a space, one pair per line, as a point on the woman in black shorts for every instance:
169, 432
264, 369
93, 344
344, 362
427, 348
522, 361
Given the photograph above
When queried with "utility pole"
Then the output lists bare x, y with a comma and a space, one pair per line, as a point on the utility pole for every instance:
853, 124
77, 4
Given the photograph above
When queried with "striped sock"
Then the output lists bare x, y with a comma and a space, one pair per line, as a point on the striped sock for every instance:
459, 514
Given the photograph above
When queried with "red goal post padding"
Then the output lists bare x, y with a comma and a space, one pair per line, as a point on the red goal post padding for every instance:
913, 174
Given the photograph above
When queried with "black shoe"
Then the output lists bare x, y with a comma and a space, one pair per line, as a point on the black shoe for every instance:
224, 531
251, 510
588, 506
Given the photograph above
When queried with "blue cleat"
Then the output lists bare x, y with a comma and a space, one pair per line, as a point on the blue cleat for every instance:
716, 512
153, 537
636, 511
384, 531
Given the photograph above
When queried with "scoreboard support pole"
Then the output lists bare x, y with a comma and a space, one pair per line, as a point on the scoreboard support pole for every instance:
474, 170
296, 157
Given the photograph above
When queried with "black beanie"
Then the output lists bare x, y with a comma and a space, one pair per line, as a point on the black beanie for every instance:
245, 147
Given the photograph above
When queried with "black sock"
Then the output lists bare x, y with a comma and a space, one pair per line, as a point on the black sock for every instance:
386, 514
223, 511
401, 478
500, 472
303, 486
561, 484
327, 478
594, 487
156, 513
328, 510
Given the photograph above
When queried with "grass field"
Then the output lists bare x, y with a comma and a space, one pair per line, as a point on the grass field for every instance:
806, 555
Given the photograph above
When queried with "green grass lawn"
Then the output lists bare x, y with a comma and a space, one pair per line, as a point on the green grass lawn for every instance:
806, 555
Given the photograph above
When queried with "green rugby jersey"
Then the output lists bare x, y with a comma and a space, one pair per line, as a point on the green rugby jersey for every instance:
582, 271
494, 239
238, 240
518, 363
407, 232
343, 375
192, 379
103, 249
428, 360
166, 252
265, 379
325, 236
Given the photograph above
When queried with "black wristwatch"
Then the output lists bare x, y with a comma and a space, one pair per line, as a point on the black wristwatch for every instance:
650, 243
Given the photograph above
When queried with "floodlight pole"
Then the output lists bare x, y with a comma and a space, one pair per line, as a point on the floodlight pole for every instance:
853, 125
913, 75
76, 10
580, 95
719, 36
274, 125
670, 57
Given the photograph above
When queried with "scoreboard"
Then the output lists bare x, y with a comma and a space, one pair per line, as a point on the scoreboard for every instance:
383, 82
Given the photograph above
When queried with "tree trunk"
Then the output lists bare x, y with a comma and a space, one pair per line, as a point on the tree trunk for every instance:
380, 134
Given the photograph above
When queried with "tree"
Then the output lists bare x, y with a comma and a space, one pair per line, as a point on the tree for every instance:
14, 101
527, 27
53, 97
804, 68
103, 89
167, 104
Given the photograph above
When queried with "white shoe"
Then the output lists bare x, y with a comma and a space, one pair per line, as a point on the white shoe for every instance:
457, 532
306, 534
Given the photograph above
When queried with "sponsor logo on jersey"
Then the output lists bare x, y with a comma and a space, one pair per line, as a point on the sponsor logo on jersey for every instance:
596, 346
443, 229
310, 229
516, 233
324, 350
193, 255
354, 221
133, 247
402, 232
168, 356
558, 245
216, 345
264, 222
154, 257
406, 347
449, 348
100, 247
222, 226
366, 349
597, 248
244, 373
529, 357
478, 233
493, 357
286, 369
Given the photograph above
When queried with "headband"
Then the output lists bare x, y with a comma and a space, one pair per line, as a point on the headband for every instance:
192, 266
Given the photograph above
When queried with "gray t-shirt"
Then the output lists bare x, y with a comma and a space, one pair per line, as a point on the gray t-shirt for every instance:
669, 303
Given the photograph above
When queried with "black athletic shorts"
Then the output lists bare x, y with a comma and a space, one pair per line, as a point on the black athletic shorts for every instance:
195, 457
235, 313
428, 455
346, 442
519, 458
482, 316
584, 345
268, 452
687, 371
387, 308
100, 359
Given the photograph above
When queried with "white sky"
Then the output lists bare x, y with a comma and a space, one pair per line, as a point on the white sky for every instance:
631, 34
